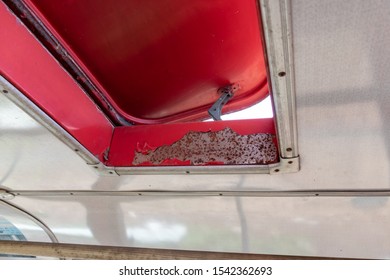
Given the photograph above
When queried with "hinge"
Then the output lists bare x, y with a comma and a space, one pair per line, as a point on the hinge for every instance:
226, 94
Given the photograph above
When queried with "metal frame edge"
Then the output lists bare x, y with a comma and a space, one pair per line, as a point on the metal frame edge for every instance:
277, 30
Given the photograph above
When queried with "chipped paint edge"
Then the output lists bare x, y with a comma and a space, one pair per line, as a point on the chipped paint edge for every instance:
225, 146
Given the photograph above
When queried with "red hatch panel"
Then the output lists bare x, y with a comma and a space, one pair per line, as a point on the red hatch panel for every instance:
31, 69
163, 61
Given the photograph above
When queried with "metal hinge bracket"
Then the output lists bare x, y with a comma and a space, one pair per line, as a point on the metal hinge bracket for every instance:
226, 94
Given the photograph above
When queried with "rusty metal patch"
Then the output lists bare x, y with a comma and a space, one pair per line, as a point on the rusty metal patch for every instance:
219, 147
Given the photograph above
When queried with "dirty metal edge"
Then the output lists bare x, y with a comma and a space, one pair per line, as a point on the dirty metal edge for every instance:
155, 193
278, 37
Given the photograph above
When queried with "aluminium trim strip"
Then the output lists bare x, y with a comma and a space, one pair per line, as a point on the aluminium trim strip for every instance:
277, 27
283, 166
187, 170
292, 193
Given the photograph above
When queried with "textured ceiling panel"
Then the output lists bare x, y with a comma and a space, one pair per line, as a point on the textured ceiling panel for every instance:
342, 65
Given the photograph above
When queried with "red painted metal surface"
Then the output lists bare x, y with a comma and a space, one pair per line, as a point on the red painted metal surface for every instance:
29, 67
127, 141
163, 61
155, 65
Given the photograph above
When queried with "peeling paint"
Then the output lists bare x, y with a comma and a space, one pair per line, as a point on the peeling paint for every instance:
213, 147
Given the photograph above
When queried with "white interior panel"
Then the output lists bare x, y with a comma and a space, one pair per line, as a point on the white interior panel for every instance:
33, 158
337, 227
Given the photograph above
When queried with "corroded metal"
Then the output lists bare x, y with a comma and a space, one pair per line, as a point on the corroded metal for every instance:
213, 147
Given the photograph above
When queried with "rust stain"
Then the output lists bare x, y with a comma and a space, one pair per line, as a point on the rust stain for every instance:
223, 147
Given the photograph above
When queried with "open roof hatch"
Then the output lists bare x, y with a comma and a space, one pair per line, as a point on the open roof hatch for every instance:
146, 74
